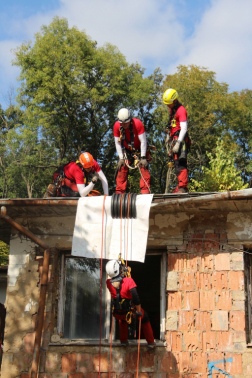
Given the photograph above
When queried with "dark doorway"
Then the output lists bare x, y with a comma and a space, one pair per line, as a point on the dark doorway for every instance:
147, 278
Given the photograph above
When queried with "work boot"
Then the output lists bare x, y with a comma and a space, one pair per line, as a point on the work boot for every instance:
152, 345
124, 343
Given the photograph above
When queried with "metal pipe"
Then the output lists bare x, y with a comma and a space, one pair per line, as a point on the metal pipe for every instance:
21, 229
40, 316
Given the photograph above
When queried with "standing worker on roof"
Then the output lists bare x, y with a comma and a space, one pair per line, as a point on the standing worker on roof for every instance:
124, 293
178, 138
70, 179
130, 138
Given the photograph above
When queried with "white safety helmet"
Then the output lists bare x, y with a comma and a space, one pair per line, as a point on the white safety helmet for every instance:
113, 268
124, 115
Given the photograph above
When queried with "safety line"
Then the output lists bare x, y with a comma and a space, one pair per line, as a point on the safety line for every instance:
121, 224
103, 208
127, 245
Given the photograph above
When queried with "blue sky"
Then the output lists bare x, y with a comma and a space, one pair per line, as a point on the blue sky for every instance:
215, 34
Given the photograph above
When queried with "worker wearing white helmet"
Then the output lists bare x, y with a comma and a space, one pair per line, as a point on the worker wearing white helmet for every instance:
130, 137
124, 293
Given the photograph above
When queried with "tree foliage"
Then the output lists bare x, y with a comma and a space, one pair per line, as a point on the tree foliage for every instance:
222, 174
70, 93
4, 253
73, 90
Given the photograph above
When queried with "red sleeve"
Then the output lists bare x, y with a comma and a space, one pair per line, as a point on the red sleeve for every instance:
78, 174
116, 129
181, 114
96, 166
139, 126
130, 283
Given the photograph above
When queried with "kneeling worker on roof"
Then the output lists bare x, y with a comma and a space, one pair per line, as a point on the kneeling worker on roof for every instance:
124, 295
130, 139
178, 138
70, 180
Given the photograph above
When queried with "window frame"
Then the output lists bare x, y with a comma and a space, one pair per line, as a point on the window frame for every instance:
61, 301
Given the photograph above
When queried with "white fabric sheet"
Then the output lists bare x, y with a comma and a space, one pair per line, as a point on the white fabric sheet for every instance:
87, 237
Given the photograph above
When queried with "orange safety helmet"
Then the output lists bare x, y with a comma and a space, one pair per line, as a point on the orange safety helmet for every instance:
86, 160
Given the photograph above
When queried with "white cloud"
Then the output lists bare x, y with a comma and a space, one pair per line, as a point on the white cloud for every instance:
140, 29
222, 42
152, 33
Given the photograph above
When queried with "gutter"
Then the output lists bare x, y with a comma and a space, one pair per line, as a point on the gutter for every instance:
221, 196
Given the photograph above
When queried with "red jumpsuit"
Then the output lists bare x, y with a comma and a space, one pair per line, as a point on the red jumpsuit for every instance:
126, 285
179, 115
74, 175
122, 176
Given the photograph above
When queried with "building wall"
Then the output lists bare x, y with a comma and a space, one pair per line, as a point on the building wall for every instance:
205, 318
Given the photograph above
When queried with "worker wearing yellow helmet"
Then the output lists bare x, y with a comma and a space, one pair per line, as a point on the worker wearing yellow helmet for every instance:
177, 138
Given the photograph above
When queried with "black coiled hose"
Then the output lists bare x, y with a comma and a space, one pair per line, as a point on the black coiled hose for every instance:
120, 204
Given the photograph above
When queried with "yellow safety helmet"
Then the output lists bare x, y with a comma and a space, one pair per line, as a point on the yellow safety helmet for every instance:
170, 96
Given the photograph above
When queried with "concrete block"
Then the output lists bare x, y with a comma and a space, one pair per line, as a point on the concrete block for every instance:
171, 320
172, 281
238, 295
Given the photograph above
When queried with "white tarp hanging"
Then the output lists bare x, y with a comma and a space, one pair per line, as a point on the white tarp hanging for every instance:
87, 237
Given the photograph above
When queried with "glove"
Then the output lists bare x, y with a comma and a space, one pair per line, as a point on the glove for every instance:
176, 147
143, 162
95, 177
139, 314
120, 163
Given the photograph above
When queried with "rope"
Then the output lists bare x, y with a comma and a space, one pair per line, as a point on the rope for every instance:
121, 225
127, 230
137, 166
138, 348
103, 208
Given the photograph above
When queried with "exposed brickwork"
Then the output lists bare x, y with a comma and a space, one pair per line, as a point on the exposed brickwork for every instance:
205, 322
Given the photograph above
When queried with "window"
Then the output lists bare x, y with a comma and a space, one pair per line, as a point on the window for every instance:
79, 300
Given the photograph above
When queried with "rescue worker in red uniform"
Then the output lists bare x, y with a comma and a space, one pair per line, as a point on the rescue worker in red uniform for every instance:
123, 291
70, 180
178, 138
130, 136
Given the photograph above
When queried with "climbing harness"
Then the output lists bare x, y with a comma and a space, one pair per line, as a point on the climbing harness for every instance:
131, 154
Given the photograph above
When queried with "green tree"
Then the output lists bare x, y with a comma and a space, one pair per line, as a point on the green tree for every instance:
73, 90
222, 174
4, 253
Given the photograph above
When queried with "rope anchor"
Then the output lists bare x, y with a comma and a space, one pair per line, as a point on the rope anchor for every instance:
123, 206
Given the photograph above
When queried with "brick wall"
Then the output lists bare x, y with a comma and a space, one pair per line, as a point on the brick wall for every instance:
205, 323
205, 319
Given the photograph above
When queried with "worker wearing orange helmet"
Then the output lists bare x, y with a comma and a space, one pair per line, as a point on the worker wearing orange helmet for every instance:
178, 138
71, 179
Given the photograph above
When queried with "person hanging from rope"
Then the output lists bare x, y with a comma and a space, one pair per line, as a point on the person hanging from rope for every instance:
130, 141
70, 180
124, 296
177, 138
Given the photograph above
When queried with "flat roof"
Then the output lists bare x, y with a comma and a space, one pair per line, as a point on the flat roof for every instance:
236, 201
